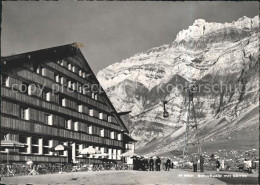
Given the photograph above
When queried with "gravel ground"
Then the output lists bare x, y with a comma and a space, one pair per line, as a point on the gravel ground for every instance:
135, 177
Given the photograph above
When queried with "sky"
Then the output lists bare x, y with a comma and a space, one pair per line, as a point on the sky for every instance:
110, 30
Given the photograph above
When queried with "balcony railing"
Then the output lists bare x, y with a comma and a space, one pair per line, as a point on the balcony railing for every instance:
7, 93
8, 123
49, 84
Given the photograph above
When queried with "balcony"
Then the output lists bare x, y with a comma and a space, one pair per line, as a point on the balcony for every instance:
26, 99
29, 127
50, 84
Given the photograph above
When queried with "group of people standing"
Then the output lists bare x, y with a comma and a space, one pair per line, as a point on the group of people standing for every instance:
151, 164
195, 163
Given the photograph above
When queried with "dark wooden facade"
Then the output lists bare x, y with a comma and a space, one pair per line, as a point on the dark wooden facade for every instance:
52, 97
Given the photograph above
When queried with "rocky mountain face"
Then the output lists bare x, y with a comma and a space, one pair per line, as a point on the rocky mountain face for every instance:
221, 59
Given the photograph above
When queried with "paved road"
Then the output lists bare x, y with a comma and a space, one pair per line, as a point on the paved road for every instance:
137, 177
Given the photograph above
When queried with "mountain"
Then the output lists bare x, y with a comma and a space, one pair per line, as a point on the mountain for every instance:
221, 59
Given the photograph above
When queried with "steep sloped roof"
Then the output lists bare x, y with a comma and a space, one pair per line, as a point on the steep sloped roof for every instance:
59, 52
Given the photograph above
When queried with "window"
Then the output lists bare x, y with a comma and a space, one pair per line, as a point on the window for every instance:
66, 124
74, 86
101, 115
102, 132
69, 84
59, 62
110, 153
80, 108
24, 113
35, 67
76, 126
39, 70
43, 72
96, 96
35, 145
114, 154
112, 135
109, 119
63, 102
69, 66
73, 69
80, 72
48, 119
77, 149
90, 129
5, 80
119, 137
93, 95
69, 124
35, 141
57, 78
46, 146
35, 149
46, 95
62, 63
83, 74
119, 152
107, 133
62, 80
23, 139
91, 112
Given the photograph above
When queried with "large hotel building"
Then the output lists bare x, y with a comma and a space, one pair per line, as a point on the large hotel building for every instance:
51, 97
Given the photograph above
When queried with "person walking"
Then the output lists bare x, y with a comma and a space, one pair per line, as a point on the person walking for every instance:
195, 163
201, 163
151, 164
